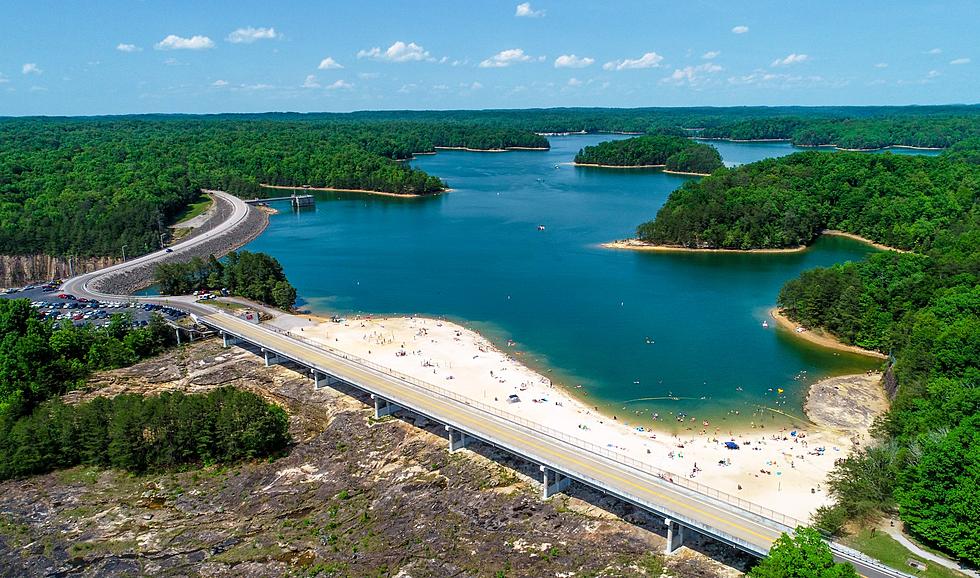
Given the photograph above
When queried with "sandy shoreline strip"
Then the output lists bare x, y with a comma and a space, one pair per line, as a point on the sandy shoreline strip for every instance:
819, 337
574, 164
637, 245
366, 191
503, 150
777, 466
836, 233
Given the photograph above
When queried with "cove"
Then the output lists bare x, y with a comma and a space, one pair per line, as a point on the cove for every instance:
634, 329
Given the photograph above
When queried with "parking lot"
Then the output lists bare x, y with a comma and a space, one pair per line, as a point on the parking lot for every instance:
52, 303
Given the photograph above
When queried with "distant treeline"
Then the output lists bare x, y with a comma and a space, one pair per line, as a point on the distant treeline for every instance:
255, 276
140, 434
852, 133
677, 153
923, 308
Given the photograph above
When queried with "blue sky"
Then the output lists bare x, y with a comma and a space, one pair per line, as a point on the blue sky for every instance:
115, 57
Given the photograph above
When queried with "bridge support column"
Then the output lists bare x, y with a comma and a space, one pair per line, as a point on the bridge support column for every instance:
321, 379
457, 439
229, 340
272, 358
553, 482
383, 407
675, 535
177, 331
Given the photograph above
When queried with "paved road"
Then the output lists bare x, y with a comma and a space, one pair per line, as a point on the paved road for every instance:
710, 515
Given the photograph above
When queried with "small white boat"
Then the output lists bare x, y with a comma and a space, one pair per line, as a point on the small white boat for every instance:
541, 227
765, 324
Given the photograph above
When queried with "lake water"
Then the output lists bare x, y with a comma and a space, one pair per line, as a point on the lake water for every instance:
631, 328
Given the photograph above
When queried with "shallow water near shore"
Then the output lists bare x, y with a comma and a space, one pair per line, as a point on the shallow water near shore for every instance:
649, 332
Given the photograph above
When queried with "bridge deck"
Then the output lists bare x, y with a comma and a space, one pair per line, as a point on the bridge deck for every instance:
740, 528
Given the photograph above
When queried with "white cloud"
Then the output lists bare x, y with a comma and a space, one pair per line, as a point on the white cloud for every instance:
368, 75
397, 52
791, 59
219, 83
648, 60
260, 86
329, 63
30, 68
3, 78
471, 86
572, 61
881, 65
574, 82
711, 54
740, 29
311, 81
692, 75
122, 47
249, 35
933, 74
960, 61
174, 42
524, 10
761, 77
505, 58
340, 85
934, 51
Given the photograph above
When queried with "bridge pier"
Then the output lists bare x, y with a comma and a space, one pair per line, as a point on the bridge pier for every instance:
553, 482
675, 536
272, 358
321, 379
229, 340
383, 407
457, 439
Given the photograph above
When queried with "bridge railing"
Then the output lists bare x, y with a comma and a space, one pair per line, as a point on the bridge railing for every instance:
605, 451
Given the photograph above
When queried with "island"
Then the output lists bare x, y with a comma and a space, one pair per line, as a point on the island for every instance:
674, 154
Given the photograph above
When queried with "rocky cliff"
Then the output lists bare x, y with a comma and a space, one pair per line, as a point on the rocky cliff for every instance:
20, 270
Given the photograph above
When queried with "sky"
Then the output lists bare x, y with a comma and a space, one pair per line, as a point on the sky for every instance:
120, 57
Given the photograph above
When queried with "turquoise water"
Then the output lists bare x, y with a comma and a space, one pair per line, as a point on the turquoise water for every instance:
624, 325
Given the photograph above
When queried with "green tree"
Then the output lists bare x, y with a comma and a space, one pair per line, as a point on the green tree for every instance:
804, 555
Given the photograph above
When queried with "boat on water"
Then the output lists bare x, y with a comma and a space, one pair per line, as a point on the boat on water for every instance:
541, 227
765, 324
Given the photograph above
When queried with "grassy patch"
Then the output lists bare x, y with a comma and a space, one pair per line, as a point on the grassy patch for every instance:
86, 475
883, 547
201, 203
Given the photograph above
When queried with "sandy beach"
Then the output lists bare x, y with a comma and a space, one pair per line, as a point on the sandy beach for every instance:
819, 337
503, 150
774, 467
637, 245
836, 233
618, 166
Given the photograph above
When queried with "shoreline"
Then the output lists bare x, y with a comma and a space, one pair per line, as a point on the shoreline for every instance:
821, 338
837, 233
826, 145
366, 191
776, 467
636, 245
503, 150
575, 164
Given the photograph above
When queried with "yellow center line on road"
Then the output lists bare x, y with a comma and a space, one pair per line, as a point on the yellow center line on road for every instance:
287, 343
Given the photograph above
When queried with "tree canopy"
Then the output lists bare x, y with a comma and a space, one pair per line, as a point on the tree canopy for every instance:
139, 434
674, 152
255, 276
802, 555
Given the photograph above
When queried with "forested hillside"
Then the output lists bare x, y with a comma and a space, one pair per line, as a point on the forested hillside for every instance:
922, 307
674, 152
900, 201
853, 133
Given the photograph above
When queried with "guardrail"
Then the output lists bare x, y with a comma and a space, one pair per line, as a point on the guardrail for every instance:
771, 515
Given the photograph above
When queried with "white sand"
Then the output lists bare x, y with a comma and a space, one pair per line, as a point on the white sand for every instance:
782, 474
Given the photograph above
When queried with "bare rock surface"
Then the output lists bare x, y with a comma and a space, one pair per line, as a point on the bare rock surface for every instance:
848, 403
353, 497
